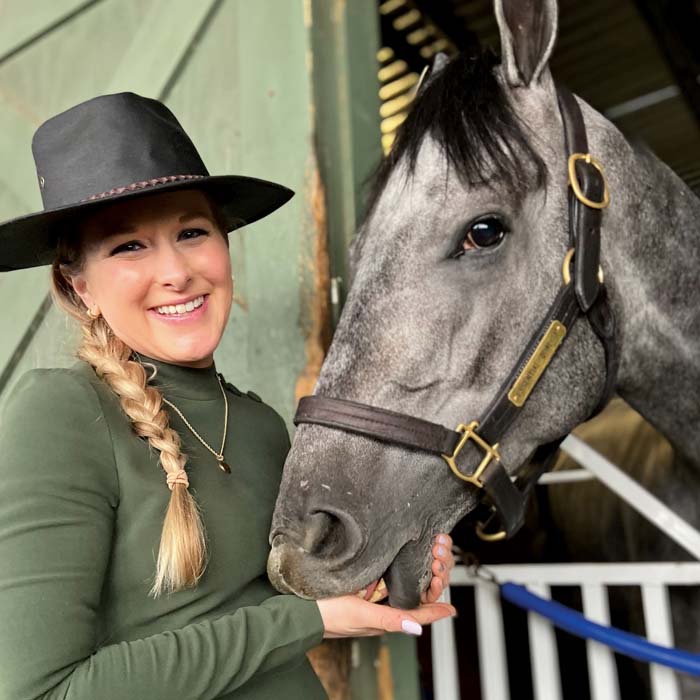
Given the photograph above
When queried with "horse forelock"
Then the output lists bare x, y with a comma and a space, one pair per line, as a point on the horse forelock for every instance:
468, 113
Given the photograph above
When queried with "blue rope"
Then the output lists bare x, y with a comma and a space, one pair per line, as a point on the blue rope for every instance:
619, 640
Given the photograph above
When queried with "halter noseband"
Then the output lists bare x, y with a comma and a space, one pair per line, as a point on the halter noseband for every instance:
471, 451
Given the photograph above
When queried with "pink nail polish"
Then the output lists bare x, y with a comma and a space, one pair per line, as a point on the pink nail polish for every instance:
411, 627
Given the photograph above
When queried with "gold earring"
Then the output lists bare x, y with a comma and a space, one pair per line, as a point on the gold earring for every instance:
94, 312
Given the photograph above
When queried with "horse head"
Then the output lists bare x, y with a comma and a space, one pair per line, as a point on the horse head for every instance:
453, 271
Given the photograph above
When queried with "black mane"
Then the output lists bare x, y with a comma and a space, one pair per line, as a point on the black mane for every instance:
466, 111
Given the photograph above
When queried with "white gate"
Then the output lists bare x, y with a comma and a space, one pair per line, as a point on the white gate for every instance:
653, 578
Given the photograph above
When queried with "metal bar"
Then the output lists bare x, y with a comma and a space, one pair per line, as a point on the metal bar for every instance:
660, 573
642, 102
635, 495
657, 618
602, 672
565, 476
675, 24
444, 657
492, 646
544, 659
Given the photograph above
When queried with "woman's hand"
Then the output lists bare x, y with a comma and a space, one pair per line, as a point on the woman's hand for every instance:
443, 563
358, 616
350, 616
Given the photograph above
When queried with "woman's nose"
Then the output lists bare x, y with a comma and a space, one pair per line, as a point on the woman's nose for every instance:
172, 268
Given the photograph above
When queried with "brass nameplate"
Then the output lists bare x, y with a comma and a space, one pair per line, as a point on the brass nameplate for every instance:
544, 352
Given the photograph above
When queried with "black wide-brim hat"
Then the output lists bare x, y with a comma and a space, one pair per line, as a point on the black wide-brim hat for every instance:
117, 147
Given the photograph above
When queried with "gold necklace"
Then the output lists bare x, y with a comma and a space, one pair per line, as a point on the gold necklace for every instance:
220, 454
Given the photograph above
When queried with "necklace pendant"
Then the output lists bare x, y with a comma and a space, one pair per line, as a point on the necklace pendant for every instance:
224, 467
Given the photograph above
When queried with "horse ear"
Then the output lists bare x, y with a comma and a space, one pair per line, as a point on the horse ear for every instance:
528, 29
429, 72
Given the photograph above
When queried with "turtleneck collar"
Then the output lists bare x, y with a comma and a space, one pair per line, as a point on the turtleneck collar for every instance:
184, 382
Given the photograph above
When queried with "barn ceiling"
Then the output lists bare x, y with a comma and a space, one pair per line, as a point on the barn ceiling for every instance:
636, 61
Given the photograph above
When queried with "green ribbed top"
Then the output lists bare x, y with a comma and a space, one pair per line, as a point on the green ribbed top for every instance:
82, 500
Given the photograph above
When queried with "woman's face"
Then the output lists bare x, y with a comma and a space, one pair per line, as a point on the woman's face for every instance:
158, 269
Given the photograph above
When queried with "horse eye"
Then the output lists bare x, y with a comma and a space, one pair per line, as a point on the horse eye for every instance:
484, 233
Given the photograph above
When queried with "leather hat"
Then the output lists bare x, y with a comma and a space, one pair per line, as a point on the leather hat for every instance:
116, 147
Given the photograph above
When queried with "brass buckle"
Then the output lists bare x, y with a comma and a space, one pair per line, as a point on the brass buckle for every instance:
566, 268
573, 181
469, 433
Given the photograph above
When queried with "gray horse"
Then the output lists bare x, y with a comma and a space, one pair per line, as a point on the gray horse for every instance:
458, 260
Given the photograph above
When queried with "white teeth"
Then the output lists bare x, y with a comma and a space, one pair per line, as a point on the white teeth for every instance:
181, 308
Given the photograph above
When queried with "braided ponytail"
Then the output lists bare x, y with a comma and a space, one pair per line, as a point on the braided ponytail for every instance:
182, 552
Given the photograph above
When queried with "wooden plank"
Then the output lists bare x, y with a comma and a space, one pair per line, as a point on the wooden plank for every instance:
657, 619
26, 289
492, 645
345, 40
404, 669
162, 41
544, 660
22, 23
261, 124
602, 671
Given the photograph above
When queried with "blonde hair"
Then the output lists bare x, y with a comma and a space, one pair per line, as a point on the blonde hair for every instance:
182, 554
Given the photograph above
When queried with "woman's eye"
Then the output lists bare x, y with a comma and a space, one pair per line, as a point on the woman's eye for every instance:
190, 233
127, 247
484, 233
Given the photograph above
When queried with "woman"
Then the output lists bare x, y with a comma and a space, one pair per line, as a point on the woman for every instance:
100, 597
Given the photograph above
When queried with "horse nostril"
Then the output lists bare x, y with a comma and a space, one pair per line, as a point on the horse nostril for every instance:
319, 531
332, 535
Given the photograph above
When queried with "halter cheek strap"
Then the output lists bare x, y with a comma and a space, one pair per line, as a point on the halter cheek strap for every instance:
472, 450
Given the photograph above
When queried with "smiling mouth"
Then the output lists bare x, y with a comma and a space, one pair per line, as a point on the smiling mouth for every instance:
179, 310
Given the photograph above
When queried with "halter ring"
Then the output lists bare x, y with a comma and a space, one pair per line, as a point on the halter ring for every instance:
489, 536
566, 268
573, 181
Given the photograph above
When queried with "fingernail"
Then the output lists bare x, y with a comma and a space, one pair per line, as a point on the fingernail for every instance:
442, 539
441, 551
411, 627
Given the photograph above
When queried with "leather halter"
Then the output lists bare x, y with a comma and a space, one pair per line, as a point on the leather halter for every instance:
471, 450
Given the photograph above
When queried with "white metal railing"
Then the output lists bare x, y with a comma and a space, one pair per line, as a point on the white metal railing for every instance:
593, 579
653, 578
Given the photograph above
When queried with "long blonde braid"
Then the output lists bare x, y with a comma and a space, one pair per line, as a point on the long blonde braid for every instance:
182, 555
